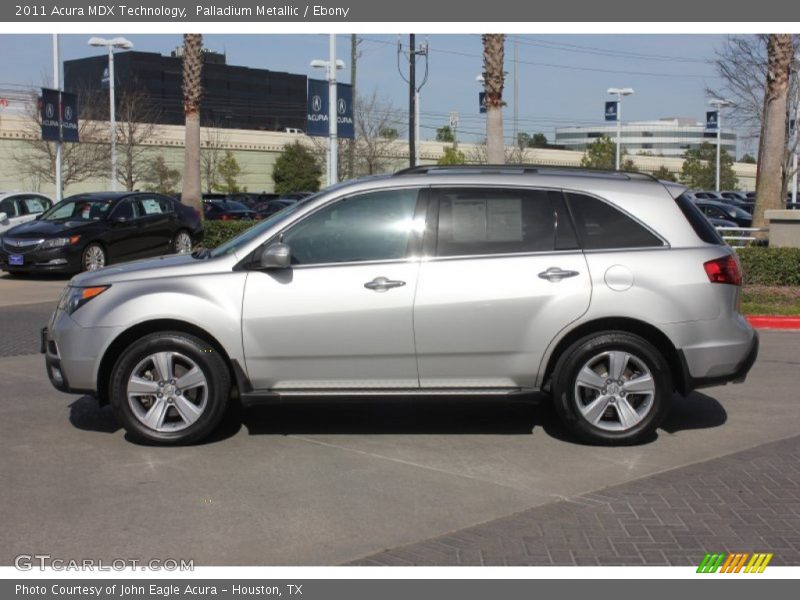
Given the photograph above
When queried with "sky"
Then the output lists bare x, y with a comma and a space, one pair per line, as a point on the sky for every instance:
562, 79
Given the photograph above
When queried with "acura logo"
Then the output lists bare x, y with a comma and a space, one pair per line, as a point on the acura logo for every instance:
68, 113
316, 103
49, 110
341, 106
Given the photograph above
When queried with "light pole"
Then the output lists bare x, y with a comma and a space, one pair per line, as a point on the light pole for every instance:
331, 66
57, 86
619, 93
718, 103
123, 44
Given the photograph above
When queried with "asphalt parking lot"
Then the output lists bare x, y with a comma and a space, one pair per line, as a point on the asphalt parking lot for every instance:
325, 484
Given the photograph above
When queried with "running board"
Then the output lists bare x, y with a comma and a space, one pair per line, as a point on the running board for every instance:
267, 397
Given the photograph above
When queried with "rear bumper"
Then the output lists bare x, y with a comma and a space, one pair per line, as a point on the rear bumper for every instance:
737, 375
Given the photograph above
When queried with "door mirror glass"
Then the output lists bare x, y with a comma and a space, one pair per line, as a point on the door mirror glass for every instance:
276, 256
3, 218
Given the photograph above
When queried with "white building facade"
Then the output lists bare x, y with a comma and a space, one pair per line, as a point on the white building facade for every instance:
662, 137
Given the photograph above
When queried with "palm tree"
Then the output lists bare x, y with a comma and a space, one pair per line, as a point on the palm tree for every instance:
493, 80
772, 146
192, 92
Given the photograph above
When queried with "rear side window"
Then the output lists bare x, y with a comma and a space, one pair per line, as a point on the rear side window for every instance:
603, 227
476, 221
702, 227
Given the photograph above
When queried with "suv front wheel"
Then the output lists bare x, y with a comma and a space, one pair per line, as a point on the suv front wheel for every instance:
612, 388
170, 388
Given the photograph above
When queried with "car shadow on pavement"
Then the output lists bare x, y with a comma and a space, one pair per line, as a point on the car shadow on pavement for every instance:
695, 411
85, 413
37, 276
395, 417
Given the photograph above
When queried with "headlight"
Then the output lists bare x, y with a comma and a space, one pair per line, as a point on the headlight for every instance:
60, 242
76, 297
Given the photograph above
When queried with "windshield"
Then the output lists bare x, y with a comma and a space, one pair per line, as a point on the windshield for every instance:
81, 209
248, 236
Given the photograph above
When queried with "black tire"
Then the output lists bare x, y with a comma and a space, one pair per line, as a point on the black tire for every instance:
175, 241
213, 367
93, 249
569, 396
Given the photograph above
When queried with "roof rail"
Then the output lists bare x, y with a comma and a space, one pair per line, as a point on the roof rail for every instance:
526, 169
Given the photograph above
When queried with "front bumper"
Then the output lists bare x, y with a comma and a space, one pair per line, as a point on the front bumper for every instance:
73, 353
54, 260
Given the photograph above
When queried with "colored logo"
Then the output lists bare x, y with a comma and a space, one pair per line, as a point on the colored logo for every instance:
736, 562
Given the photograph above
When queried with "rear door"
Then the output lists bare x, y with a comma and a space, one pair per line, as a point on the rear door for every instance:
505, 276
157, 225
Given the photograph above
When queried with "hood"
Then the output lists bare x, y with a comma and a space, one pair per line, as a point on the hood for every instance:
170, 265
47, 229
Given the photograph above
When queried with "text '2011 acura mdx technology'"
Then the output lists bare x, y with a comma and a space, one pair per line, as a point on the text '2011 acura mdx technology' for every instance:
610, 291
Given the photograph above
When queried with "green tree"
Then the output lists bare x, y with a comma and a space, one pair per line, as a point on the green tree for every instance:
390, 133
748, 159
664, 174
526, 140
452, 156
296, 170
700, 168
158, 177
445, 134
602, 154
228, 170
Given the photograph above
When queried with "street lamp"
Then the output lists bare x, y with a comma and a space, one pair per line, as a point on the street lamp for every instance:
123, 44
619, 93
718, 103
331, 66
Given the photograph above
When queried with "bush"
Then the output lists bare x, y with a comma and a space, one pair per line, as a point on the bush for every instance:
216, 233
770, 266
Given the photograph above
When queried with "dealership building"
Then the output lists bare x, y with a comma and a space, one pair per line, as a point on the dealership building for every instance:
662, 137
233, 97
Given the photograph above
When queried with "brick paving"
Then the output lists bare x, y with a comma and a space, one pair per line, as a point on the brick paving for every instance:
20, 326
744, 502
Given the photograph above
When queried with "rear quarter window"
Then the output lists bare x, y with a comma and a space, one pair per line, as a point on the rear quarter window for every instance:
601, 226
701, 225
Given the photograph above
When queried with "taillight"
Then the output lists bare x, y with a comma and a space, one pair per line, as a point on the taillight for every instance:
226, 218
724, 270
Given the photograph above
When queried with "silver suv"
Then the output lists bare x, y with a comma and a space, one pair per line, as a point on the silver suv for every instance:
609, 291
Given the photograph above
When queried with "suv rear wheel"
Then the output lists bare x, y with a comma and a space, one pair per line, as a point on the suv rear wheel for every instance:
612, 388
170, 388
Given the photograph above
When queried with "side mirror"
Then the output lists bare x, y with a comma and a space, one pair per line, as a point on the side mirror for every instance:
276, 256
3, 218
38, 216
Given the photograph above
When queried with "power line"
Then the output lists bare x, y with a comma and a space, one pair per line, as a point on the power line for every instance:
606, 52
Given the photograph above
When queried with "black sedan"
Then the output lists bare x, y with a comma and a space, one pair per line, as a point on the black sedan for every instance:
227, 210
723, 210
88, 231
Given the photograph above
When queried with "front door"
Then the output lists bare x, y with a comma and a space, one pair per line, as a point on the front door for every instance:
341, 316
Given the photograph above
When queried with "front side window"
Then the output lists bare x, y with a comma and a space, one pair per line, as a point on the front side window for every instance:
373, 226
477, 221
9, 207
604, 227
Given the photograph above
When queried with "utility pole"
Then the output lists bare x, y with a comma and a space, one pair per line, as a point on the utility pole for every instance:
57, 86
413, 91
351, 148
516, 91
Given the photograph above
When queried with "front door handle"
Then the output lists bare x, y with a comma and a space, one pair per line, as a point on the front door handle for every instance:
554, 274
381, 284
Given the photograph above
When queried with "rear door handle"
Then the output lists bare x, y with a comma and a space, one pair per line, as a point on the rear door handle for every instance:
381, 284
554, 274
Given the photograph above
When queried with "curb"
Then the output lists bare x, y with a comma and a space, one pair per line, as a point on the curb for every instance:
774, 322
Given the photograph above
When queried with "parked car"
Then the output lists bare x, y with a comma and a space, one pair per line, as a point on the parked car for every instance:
266, 209
735, 195
252, 199
227, 210
20, 207
610, 291
721, 222
723, 210
88, 231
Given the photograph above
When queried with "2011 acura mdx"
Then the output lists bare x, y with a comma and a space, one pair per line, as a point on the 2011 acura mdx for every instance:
608, 290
